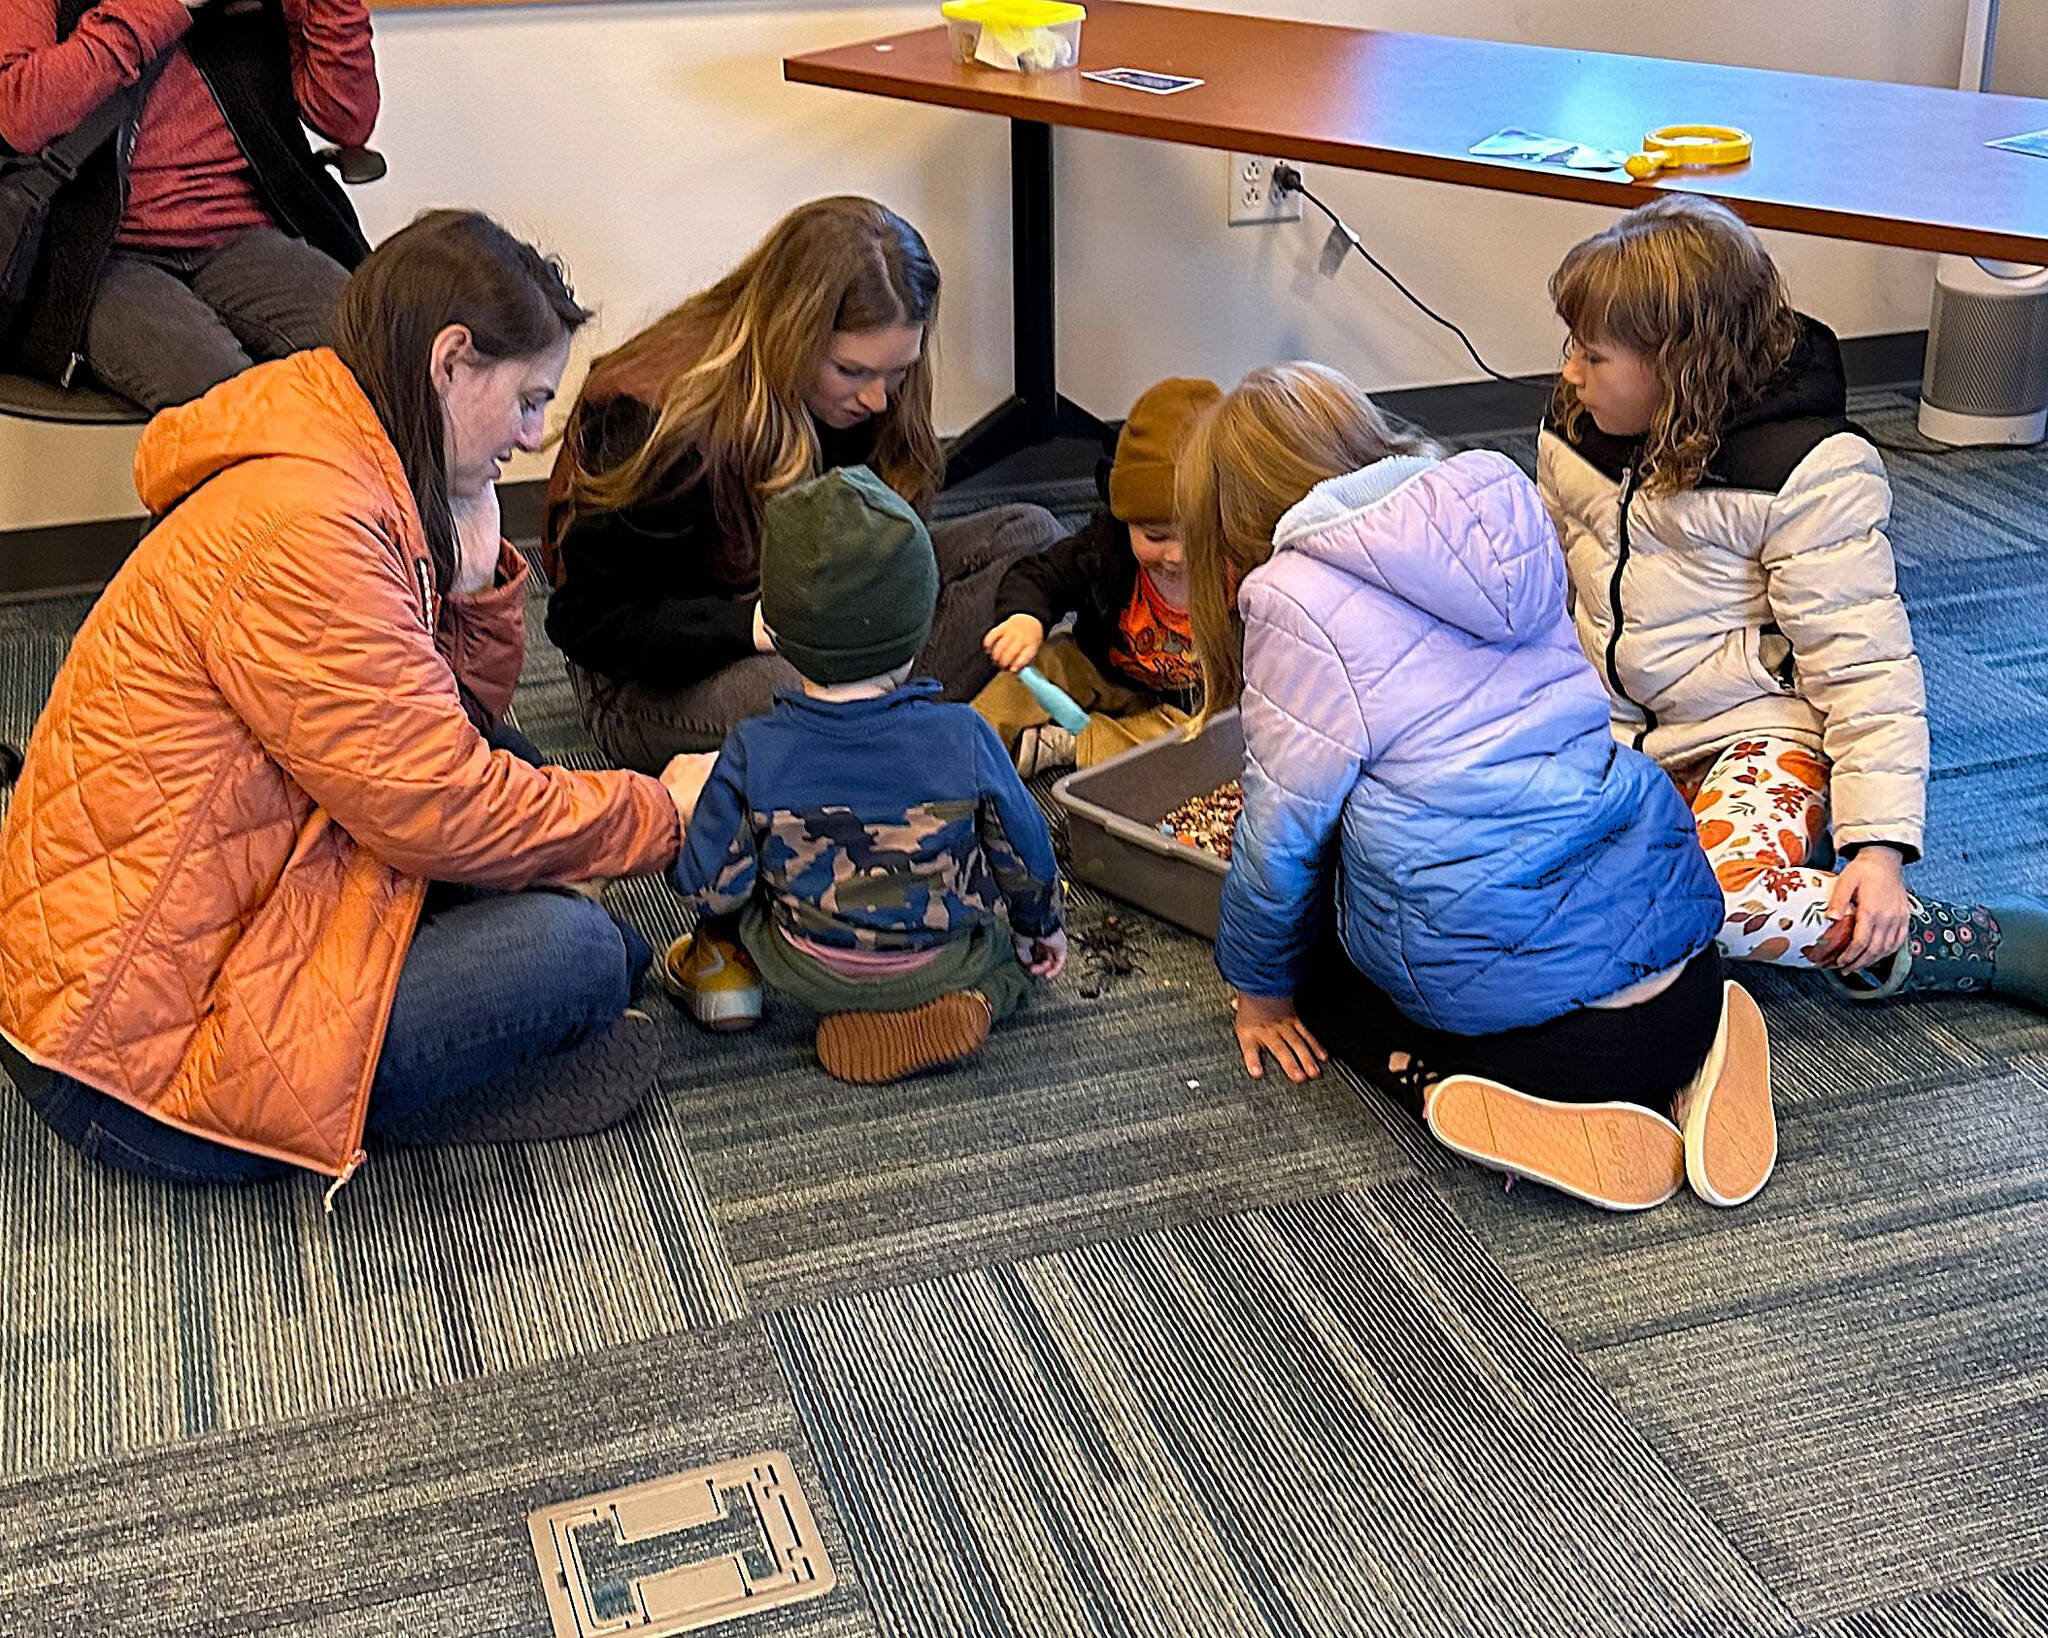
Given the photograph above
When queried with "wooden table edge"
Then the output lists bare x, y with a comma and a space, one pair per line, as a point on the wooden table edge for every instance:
1494, 176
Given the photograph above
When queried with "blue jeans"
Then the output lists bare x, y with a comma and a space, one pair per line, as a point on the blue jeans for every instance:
491, 981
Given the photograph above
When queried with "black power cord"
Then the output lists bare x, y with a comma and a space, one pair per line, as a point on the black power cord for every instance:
1287, 179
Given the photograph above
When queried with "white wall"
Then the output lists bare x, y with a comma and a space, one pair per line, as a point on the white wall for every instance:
651, 141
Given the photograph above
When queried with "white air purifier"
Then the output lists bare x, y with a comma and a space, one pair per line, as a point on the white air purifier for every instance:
1987, 337
1986, 380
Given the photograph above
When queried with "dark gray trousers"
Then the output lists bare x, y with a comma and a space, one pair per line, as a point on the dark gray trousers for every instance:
167, 325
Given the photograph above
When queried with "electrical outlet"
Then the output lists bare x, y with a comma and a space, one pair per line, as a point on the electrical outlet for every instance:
1251, 197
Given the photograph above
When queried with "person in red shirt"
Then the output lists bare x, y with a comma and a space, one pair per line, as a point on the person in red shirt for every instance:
204, 236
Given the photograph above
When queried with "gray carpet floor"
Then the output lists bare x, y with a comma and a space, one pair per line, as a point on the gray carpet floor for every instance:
1098, 1336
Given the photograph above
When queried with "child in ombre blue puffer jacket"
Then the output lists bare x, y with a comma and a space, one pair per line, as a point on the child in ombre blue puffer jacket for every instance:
1445, 865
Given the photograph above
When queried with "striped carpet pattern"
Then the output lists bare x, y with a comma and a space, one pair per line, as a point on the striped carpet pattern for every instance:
2004, 1606
1100, 1336
1333, 1417
134, 1314
402, 1517
1852, 1373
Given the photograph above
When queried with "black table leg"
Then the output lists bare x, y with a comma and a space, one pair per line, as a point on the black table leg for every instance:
1034, 413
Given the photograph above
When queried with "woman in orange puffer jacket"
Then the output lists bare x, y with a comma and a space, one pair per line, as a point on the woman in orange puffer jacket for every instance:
274, 875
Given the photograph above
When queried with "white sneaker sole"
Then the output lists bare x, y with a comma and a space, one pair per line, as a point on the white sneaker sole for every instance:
1619, 1156
1731, 1130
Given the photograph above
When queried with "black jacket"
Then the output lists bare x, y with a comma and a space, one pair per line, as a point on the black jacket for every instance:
637, 596
1091, 575
243, 50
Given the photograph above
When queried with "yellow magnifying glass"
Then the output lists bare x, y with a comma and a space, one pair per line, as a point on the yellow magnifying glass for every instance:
1684, 147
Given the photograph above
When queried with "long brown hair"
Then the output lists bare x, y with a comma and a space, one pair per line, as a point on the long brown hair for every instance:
725, 374
445, 267
1251, 456
1688, 284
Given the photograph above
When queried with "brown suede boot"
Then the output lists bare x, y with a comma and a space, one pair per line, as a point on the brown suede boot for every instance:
868, 1048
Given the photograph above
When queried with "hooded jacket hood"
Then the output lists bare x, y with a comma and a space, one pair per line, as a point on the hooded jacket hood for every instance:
1417, 713
306, 407
1464, 540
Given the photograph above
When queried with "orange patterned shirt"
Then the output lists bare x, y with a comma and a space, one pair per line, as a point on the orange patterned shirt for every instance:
1154, 645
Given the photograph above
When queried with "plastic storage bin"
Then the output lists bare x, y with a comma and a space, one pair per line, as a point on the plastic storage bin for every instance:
1022, 36
1113, 812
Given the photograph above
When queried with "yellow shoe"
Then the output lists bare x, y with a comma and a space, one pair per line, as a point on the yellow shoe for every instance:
713, 979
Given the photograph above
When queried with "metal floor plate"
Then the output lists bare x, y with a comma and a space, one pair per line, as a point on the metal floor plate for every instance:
679, 1554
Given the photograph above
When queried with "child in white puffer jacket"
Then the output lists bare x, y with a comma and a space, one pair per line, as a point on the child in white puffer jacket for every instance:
1723, 524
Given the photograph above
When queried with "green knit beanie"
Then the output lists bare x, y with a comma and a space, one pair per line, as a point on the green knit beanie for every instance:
848, 579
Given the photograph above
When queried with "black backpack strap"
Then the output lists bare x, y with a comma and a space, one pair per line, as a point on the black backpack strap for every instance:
62, 158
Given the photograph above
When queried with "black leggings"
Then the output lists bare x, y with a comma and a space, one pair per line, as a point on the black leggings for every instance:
1643, 1054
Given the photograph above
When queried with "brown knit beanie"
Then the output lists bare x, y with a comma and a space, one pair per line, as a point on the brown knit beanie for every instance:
1141, 481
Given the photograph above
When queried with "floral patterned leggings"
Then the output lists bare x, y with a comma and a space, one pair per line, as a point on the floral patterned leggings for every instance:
1762, 808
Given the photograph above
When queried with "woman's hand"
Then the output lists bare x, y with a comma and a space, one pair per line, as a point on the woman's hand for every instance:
1043, 957
1270, 1024
764, 639
1015, 643
478, 540
685, 778
1871, 909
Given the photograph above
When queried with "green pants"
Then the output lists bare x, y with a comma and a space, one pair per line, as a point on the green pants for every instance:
984, 960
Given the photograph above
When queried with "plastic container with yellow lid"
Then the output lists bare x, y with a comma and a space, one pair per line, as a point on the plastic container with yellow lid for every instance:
1021, 36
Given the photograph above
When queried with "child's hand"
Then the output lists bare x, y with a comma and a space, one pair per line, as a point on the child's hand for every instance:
685, 778
1271, 1024
1870, 897
1043, 957
1015, 643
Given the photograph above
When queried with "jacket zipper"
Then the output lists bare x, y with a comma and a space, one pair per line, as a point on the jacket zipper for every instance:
1628, 495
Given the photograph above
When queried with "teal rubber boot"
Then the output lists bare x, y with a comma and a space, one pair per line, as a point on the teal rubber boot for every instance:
2020, 972
1954, 949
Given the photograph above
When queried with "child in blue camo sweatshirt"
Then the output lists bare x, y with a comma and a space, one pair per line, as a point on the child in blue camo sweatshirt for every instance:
868, 836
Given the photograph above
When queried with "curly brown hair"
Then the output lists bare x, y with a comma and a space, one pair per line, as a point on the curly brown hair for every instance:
1686, 283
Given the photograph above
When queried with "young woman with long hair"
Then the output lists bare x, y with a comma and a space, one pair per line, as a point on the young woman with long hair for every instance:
274, 876
812, 353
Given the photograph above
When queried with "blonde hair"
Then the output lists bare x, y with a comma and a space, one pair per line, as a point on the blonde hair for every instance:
725, 374
1248, 458
1688, 284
